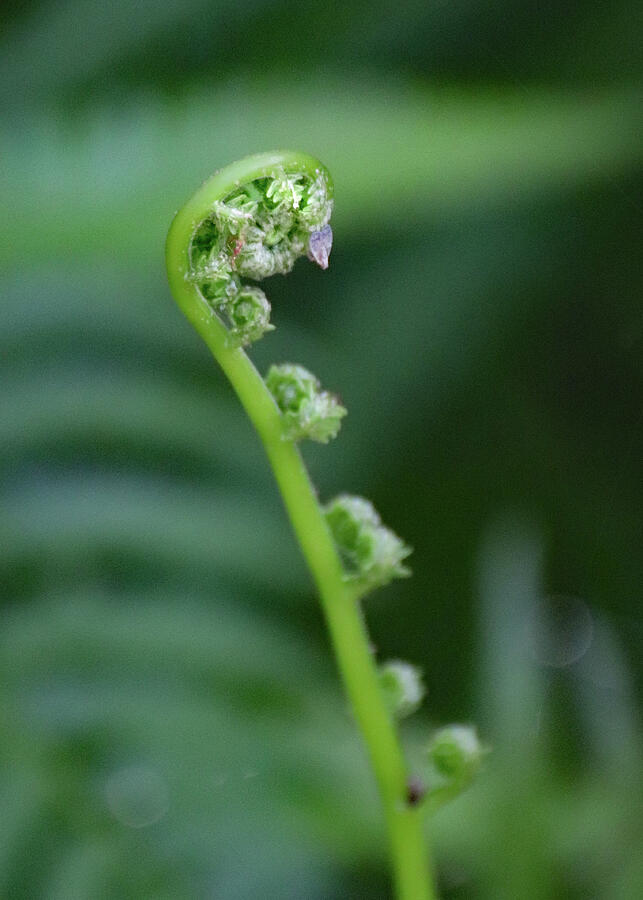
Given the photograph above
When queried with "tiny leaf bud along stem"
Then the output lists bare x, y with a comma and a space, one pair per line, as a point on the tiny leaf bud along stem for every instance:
251, 220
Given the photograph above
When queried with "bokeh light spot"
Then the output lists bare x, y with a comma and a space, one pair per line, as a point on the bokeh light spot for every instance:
137, 796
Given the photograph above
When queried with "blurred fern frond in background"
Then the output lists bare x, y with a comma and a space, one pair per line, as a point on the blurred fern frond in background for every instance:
172, 724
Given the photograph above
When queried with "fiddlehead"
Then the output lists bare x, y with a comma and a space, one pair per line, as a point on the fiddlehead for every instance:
249, 221
251, 227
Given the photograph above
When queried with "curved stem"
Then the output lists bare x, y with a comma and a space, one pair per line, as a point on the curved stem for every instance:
340, 606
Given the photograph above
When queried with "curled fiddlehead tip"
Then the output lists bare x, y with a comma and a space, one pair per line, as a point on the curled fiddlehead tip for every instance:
372, 554
249, 221
455, 754
403, 687
307, 411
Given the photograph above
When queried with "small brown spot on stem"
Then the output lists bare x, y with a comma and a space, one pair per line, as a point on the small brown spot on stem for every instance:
415, 790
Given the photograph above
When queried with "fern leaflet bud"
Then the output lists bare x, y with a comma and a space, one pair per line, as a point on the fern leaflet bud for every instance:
371, 553
402, 686
308, 412
455, 755
248, 312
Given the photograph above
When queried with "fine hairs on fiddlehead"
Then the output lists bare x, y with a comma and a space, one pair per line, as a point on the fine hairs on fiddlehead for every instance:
249, 221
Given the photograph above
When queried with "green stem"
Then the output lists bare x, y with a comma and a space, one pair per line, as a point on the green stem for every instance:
341, 608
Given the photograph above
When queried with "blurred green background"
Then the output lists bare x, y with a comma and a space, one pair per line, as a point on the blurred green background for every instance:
172, 723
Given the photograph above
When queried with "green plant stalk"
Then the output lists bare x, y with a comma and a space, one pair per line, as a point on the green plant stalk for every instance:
409, 854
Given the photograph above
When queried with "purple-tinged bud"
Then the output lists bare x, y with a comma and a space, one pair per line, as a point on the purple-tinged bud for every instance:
319, 246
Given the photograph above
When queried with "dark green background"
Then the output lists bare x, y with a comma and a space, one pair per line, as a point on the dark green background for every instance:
172, 723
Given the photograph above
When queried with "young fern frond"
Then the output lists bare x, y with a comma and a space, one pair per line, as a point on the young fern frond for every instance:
254, 219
